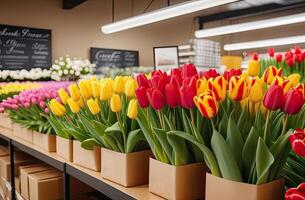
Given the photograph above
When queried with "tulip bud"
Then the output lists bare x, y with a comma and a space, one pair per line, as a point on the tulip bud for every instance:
293, 102
188, 70
256, 93
286, 85
57, 108
219, 87
270, 73
81, 103
297, 141
237, 88
119, 85
274, 97
96, 88
132, 111
207, 104
93, 106
172, 95
74, 92
187, 92
290, 62
142, 97
85, 89
115, 103
255, 56
253, 68
63, 95
130, 88
294, 79
202, 86
299, 192
271, 52
74, 106
106, 90
142, 81
279, 57
156, 98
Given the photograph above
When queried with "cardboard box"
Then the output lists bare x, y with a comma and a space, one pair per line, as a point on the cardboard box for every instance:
17, 184
177, 182
219, 188
23, 133
6, 122
19, 159
125, 169
25, 171
64, 148
45, 141
46, 185
90, 159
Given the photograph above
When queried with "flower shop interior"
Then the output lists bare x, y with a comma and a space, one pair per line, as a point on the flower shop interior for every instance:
152, 99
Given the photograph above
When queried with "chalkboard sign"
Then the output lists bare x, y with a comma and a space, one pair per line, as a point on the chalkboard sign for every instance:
114, 57
24, 48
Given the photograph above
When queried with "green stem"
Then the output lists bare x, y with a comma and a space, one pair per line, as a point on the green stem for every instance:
285, 123
266, 126
123, 130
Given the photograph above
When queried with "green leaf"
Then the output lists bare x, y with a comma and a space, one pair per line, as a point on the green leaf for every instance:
77, 135
235, 141
226, 161
113, 128
181, 153
89, 143
264, 160
166, 146
134, 137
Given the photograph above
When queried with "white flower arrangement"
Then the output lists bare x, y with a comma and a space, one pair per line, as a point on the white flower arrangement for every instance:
67, 68
20, 75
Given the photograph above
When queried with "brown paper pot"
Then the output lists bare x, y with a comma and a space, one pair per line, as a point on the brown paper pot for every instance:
6, 122
45, 141
64, 148
23, 133
177, 182
125, 169
90, 159
219, 188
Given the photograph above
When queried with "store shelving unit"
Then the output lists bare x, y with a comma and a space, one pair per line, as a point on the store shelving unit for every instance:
109, 189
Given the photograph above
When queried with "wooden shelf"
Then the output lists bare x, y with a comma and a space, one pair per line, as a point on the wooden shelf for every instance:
91, 178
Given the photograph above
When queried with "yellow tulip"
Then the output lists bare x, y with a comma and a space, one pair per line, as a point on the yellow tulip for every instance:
119, 85
74, 106
294, 79
81, 103
202, 86
253, 68
270, 73
244, 102
63, 95
256, 93
93, 106
96, 88
132, 111
106, 90
130, 87
57, 108
115, 103
74, 92
85, 89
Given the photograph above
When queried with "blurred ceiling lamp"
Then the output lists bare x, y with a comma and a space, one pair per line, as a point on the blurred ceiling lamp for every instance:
265, 43
235, 28
163, 14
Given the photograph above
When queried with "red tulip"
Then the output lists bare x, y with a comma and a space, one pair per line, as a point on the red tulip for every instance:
156, 98
271, 52
172, 95
232, 72
297, 141
293, 102
212, 73
297, 50
296, 193
188, 70
303, 55
255, 56
142, 97
288, 55
298, 58
301, 87
290, 62
279, 57
158, 81
142, 81
187, 92
176, 72
274, 97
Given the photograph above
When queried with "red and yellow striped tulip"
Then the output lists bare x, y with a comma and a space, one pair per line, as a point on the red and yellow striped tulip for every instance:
207, 104
270, 74
237, 88
219, 87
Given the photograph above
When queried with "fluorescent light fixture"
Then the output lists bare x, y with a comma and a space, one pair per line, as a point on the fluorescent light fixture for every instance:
163, 14
235, 28
265, 43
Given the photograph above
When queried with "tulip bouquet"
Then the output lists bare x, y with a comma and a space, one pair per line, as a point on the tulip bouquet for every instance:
293, 61
11, 89
71, 69
295, 167
99, 113
29, 107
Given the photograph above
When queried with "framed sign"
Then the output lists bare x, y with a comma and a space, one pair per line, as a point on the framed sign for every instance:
114, 57
24, 48
165, 57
